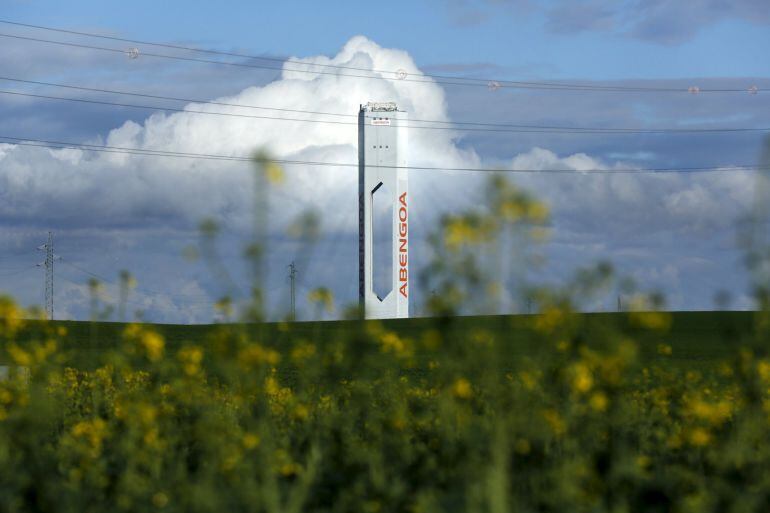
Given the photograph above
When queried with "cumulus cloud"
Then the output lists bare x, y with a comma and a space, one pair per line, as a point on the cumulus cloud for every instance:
111, 188
620, 203
78, 189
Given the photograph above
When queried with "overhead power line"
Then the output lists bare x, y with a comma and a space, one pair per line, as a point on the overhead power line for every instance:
450, 125
146, 291
391, 75
178, 99
85, 271
313, 163
186, 304
225, 63
18, 271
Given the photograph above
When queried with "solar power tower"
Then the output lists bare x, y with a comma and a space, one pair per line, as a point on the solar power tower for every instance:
384, 284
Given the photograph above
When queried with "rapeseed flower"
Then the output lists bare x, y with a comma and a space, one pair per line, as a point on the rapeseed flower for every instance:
462, 388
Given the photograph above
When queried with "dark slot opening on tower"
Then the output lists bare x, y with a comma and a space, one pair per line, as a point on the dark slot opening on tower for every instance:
382, 241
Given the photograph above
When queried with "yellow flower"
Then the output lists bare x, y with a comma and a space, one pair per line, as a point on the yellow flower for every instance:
322, 297
555, 422
763, 369
599, 401
537, 212
302, 352
659, 321
715, 413
664, 349
290, 469
459, 231
582, 379
528, 379
271, 386
512, 210
153, 344
699, 437
462, 389
94, 431
301, 412
119, 410
19, 355
274, 173
255, 354
147, 413
392, 343
551, 319
10, 317
190, 357
250, 441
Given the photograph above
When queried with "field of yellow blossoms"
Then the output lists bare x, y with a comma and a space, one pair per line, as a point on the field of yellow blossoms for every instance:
244, 419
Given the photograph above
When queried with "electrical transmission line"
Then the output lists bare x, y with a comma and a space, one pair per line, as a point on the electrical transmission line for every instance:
314, 163
227, 63
390, 75
191, 305
15, 272
150, 292
454, 126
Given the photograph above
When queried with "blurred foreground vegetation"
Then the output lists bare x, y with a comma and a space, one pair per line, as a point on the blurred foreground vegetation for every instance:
552, 412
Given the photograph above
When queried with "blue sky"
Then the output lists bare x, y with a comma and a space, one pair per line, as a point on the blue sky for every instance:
675, 233
518, 37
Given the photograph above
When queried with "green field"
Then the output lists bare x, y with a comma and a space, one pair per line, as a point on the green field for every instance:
560, 411
696, 338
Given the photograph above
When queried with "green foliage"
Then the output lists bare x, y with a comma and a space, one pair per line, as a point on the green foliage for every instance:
553, 412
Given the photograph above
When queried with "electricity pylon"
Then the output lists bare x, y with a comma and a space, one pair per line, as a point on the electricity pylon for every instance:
293, 279
48, 264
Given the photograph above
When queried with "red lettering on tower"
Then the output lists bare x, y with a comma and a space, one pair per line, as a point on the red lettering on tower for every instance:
403, 253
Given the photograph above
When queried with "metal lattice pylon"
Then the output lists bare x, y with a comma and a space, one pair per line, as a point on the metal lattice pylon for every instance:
48, 264
293, 279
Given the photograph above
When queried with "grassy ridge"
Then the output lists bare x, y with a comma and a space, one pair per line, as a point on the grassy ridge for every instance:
696, 338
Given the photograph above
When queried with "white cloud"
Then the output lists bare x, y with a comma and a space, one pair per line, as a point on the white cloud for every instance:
617, 204
81, 189
106, 188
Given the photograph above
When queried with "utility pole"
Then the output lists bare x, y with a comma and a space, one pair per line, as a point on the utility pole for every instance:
48, 264
620, 305
293, 280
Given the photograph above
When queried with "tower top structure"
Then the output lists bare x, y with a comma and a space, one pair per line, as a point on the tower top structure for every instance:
380, 107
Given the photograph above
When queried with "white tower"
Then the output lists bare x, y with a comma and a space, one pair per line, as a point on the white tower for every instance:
383, 211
